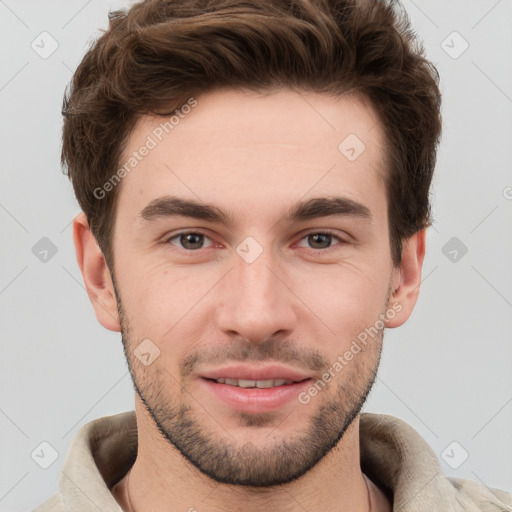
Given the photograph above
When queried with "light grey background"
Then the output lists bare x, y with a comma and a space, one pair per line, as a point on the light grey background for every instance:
447, 372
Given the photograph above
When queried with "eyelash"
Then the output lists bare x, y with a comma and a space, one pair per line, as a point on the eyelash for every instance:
199, 232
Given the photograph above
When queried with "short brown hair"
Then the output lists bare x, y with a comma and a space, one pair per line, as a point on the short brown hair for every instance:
161, 52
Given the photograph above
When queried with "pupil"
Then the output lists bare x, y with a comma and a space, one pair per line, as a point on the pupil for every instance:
321, 238
191, 240
194, 240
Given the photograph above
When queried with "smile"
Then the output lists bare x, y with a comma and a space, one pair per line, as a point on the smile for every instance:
261, 384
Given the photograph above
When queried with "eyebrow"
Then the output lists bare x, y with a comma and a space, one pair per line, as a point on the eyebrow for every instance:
171, 206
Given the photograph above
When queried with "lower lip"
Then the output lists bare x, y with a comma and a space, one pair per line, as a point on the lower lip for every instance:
255, 400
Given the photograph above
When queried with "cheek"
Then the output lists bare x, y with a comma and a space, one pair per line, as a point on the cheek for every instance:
332, 302
346, 298
160, 300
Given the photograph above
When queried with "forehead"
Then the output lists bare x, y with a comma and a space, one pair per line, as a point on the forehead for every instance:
254, 150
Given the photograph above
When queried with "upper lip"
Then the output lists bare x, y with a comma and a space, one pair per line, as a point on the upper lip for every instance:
267, 372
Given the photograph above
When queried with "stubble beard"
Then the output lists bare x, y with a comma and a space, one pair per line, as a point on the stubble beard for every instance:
215, 452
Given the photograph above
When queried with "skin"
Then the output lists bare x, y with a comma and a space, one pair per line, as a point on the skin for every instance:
252, 156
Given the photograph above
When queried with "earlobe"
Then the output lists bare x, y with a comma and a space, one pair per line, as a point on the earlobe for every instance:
407, 279
96, 274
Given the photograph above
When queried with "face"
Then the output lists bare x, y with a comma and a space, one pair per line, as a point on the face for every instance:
254, 276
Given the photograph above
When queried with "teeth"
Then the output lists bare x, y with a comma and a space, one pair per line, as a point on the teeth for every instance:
261, 384
266, 383
246, 383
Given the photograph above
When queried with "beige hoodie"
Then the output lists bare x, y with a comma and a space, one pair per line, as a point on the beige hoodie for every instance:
393, 455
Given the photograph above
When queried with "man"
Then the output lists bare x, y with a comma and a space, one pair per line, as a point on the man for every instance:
254, 179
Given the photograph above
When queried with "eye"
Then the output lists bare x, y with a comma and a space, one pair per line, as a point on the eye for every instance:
320, 240
190, 241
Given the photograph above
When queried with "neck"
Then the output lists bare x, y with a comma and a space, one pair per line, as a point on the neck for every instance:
162, 479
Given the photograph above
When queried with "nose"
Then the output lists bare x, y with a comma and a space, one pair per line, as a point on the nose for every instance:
256, 302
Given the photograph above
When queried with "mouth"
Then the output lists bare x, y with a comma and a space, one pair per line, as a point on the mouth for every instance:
254, 390
260, 384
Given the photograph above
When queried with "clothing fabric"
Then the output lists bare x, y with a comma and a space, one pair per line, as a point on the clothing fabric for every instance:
393, 455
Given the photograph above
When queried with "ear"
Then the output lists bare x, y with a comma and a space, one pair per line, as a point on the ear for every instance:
406, 279
97, 278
